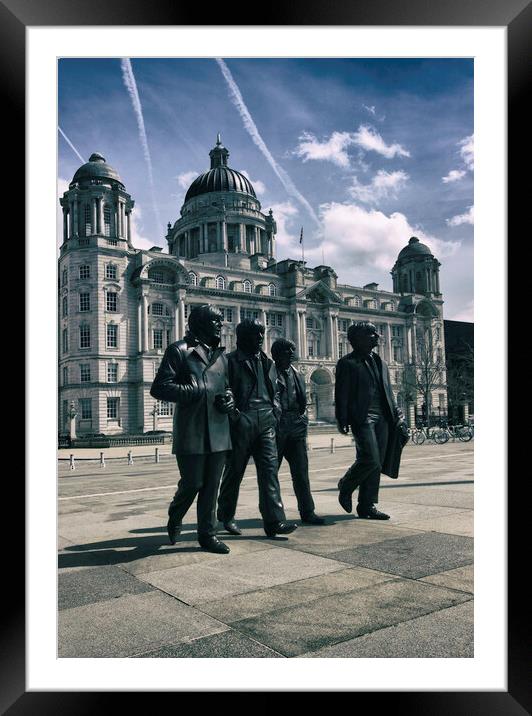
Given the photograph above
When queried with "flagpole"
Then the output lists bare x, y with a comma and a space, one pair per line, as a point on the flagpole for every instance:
302, 246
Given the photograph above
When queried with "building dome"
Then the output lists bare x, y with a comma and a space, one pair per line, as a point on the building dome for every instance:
415, 248
96, 168
220, 177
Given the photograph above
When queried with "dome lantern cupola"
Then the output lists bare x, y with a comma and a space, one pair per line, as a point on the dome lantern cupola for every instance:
218, 154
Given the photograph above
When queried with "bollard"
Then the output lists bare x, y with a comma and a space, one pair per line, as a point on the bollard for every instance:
72, 463
129, 458
157, 459
102, 460
332, 445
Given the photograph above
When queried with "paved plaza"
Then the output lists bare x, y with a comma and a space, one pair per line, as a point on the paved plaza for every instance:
352, 588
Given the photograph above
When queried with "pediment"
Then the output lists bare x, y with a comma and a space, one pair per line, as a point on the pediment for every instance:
319, 292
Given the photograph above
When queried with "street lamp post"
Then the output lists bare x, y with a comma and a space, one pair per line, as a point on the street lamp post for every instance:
155, 414
72, 415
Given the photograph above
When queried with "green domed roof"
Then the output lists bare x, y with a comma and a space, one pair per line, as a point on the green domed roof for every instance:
220, 177
414, 248
96, 168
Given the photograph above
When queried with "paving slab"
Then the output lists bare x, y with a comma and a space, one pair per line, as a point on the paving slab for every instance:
405, 513
226, 645
445, 496
94, 526
444, 634
79, 587
235, 574
347, 532
130, 625
461, 523
340, 617
461, 578
251, 604
190, 553
414, 556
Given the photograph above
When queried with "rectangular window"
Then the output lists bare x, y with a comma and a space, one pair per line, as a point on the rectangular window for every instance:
157, 276
340, 350
112, 335
157, 338
168, 337
65, 375
229, 315
107, 220
112, 372
65, 277
84, 302
65, 306
85, 373
311, 350
110, 272
84, 337
85, 272
65, 340
113, 408
88, 222
441, 400
397, 354
279, 319
165, 409
85, 408
111, 302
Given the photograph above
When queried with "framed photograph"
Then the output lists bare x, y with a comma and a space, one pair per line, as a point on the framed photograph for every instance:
354, 136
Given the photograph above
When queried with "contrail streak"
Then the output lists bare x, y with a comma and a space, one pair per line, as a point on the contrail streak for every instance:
251, 128
67, 140
131, 86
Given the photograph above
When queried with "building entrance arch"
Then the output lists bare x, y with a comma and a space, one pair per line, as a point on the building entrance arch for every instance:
321, 404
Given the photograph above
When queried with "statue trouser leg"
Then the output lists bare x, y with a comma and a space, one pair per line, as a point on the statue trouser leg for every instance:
295, 452
370, 440
236, 467
200, 475
264, 451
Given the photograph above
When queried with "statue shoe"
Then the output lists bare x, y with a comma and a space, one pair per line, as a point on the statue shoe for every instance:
312, 519
344, 498
211, 543
174, 530
232, 527
279, 528
371, 513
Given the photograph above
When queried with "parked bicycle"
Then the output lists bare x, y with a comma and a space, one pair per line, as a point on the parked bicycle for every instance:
464, 433
436, 433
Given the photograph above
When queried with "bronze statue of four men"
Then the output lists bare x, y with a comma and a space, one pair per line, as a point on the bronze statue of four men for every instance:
231, 407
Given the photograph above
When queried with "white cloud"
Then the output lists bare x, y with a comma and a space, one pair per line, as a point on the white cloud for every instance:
467, 152
383, 185
467, 218
260, 187
333, 149
454, 175
138, 237
357, 239
465, 313
185, 179
371, 109
369, 139
287, 238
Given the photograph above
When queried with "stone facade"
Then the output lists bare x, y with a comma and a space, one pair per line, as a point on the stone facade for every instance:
119, 307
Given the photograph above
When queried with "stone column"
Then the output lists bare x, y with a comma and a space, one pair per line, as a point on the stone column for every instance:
218, 236
65, 224
304, 334
388, 336
140, 324
335, 336
101, 221
182, 319
94, 216
224, 235
242, 237
296, 333
145, 343
128, 223
123, 219
414, 342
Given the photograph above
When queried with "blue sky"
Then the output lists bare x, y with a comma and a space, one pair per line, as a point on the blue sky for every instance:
361, 153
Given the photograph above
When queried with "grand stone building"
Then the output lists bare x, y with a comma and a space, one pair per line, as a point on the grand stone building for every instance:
119, 307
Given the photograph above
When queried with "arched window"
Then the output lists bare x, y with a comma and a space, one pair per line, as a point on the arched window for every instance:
220, 283
357, 301
272, 289
192, 278
246, 285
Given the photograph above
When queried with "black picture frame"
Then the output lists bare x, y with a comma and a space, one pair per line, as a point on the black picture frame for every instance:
515, 15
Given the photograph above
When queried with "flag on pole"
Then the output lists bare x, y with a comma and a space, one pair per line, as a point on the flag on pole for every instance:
301, 236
